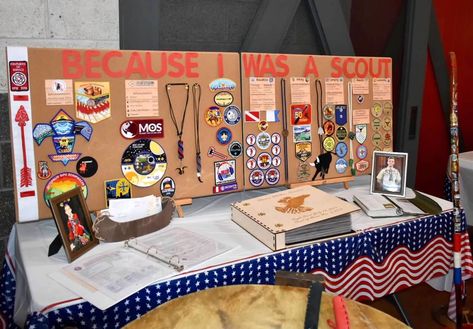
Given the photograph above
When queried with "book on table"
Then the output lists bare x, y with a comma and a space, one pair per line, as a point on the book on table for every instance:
293, 216
378, 205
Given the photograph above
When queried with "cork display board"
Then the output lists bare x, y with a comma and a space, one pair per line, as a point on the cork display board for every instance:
102, 120
334, 110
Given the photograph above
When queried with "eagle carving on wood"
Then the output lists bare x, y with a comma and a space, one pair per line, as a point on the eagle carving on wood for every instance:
293, 205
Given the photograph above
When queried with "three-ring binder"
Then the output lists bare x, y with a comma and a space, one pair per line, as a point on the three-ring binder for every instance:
152, 251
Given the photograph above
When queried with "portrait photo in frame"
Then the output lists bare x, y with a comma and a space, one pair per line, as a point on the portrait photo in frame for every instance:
73, 222
388, 173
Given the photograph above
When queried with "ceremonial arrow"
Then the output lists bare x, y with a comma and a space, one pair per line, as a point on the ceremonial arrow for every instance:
25, 173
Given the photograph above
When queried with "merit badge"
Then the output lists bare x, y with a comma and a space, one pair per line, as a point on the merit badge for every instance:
235, 149
376, 110
225, 188
329, 144
388, 108
275, 138
263, 125
341, 133
87, 166
272, 176
250, 139
117, 189
361, 152
303, 150
387, 138
361, 133
256, 178
341, 149
376, 139
92, 101
276, 149
276, 161
376, 123
43, 170
139, 129
263, 140
213, 116
303, 171
222, 84
251, 164
341, 166
223, 98
387, 123
329, 128
302, 133
224, 135
360, 99
61, 183
224, 172
362, 165
251, 151
263, 161
212, 152
63, 129
144, 163
232, 115
252, 116
167, 187
341, 114
328, 112
301, 114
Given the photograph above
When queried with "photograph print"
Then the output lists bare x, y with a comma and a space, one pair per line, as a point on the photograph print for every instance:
389, 171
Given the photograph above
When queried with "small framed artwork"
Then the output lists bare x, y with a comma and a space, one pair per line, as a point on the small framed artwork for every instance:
389, 171
73, 222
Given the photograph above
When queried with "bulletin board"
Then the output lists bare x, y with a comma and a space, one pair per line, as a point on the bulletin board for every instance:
102, 120
334, 110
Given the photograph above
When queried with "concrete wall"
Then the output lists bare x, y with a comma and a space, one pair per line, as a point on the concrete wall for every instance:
45, 24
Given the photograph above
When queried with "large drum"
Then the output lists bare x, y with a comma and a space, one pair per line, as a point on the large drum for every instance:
255, 307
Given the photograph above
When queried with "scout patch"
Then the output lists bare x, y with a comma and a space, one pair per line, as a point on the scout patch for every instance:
272, 115
251, 164
252, 116
256, 178
341, 166
43, 170
18, 75
224, 135
360, 99
63, 129
276, 149
376, 139
61, 183
87, 166
275, 138
224, 172
361, 152
301, 114
263, 125
213, 116
341, 133
361, 133
376, 110
251, 151
263, 161
223, 98
117, 189
212, 152
362, 165
341, 149
222, 84
276, 161
235, 149
376, 123
144, 163
302, 133
250, 139
139, 129
225, 188
387, 138
303, 171
387, 123
329, 144
167, 187
272, 176
232, 115
329, 128
341, 114
303, 150
328, 112
388, 109
263, 140
93, 101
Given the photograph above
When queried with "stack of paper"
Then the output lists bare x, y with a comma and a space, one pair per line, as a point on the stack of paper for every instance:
124, 210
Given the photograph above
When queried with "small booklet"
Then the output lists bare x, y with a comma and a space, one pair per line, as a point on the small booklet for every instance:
377, 205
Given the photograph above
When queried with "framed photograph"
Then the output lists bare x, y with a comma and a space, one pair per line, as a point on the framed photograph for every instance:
388, 175
73, 222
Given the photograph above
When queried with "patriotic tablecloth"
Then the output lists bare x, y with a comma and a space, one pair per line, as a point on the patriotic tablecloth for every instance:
367, 265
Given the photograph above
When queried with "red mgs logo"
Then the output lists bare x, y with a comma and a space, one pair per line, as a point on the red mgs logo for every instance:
137, 129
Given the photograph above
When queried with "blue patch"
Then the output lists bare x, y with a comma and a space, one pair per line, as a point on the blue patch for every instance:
341, 166
224, 136
232, 115
341, 149
341, 114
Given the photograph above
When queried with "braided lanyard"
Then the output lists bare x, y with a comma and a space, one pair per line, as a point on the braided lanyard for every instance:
179, 130
320, 130
196, 92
